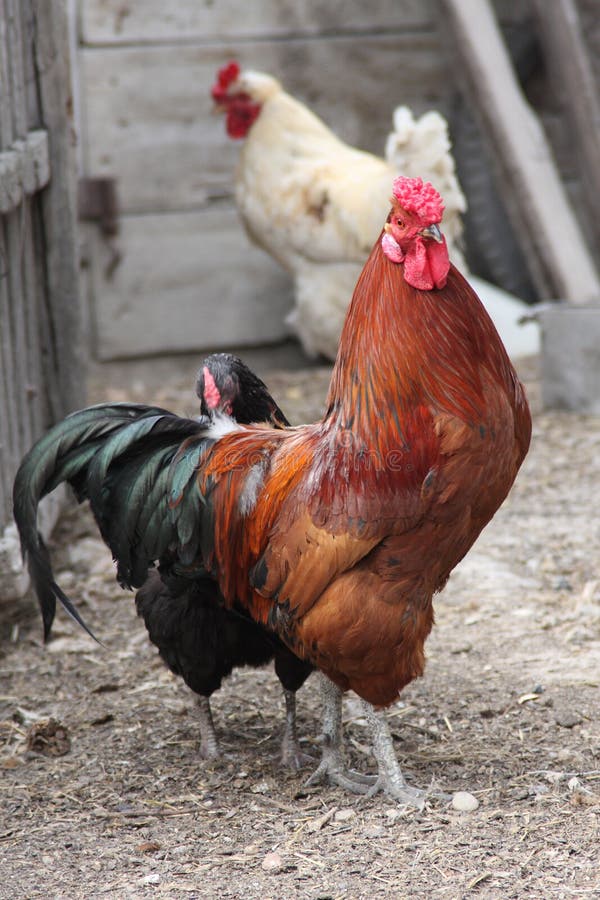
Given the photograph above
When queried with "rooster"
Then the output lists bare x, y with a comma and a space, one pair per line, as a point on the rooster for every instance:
334, 535
196, 635
316, 204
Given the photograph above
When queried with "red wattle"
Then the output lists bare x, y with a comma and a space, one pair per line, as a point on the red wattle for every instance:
439, 262
427, 264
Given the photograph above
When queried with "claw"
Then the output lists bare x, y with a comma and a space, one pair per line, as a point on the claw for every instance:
403, 793
332, 769
390, 779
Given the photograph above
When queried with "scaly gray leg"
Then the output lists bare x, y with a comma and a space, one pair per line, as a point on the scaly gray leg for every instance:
291, 754
390, 779
209, 745
332, 766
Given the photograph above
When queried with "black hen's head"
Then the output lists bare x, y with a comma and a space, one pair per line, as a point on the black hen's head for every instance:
225, 384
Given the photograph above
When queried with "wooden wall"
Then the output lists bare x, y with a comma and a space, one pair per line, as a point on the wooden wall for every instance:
188, 277
40, 369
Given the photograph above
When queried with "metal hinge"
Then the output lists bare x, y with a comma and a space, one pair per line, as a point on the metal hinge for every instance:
98, 202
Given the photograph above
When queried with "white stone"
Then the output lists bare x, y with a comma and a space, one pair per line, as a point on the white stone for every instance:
463, 801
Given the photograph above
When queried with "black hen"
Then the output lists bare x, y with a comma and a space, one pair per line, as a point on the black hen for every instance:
197, 637
225, 384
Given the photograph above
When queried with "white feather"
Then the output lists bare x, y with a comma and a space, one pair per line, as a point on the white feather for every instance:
252, 485
222, 425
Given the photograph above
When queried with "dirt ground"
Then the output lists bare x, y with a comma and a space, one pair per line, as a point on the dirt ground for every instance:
508, 710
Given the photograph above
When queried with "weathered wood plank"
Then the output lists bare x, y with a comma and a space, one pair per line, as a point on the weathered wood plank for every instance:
64, 356
9, 427
24, 169
573, 79
537, 199
154, 21
16, 238
6, 125
38, 251
33, 289
149, 115
16, 68
187, 281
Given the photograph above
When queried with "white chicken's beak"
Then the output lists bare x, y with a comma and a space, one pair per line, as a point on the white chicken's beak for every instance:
432, 232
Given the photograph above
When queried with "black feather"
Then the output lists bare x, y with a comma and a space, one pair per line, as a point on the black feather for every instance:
62, 455
202, 641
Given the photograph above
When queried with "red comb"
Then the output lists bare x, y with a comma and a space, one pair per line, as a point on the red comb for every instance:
228, 73
225, 77
420, 198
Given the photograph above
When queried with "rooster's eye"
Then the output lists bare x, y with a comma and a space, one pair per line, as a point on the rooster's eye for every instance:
399, 223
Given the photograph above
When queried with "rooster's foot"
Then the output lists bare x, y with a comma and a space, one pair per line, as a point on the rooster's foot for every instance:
398, 789
332, 769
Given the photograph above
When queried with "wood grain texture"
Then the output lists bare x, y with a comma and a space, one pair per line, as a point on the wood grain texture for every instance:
115, 22
149, 119
40, 376
573, 79
187, 281
155, 21
536, 198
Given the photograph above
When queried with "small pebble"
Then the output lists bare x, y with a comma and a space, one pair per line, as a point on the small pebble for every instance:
272, 862
151, 879
344, 815
464, 802
461, 648
393, 814
374, 831
567, 719
147, 847
261, 788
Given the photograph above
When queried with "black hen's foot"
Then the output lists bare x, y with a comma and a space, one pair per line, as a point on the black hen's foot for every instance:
293, 758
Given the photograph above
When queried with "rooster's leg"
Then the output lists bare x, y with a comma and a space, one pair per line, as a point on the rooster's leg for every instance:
332, 766
390, 779
291, 754
209, 745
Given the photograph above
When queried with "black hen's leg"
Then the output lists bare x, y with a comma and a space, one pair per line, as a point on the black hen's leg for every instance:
209, 744
291, 754
292, 673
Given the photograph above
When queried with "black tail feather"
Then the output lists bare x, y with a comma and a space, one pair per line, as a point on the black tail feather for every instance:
48, 591
63, 454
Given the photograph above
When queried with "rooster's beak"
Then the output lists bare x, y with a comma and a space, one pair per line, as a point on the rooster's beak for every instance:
432, 232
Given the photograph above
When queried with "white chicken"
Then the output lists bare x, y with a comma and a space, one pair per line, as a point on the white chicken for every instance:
316, 204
